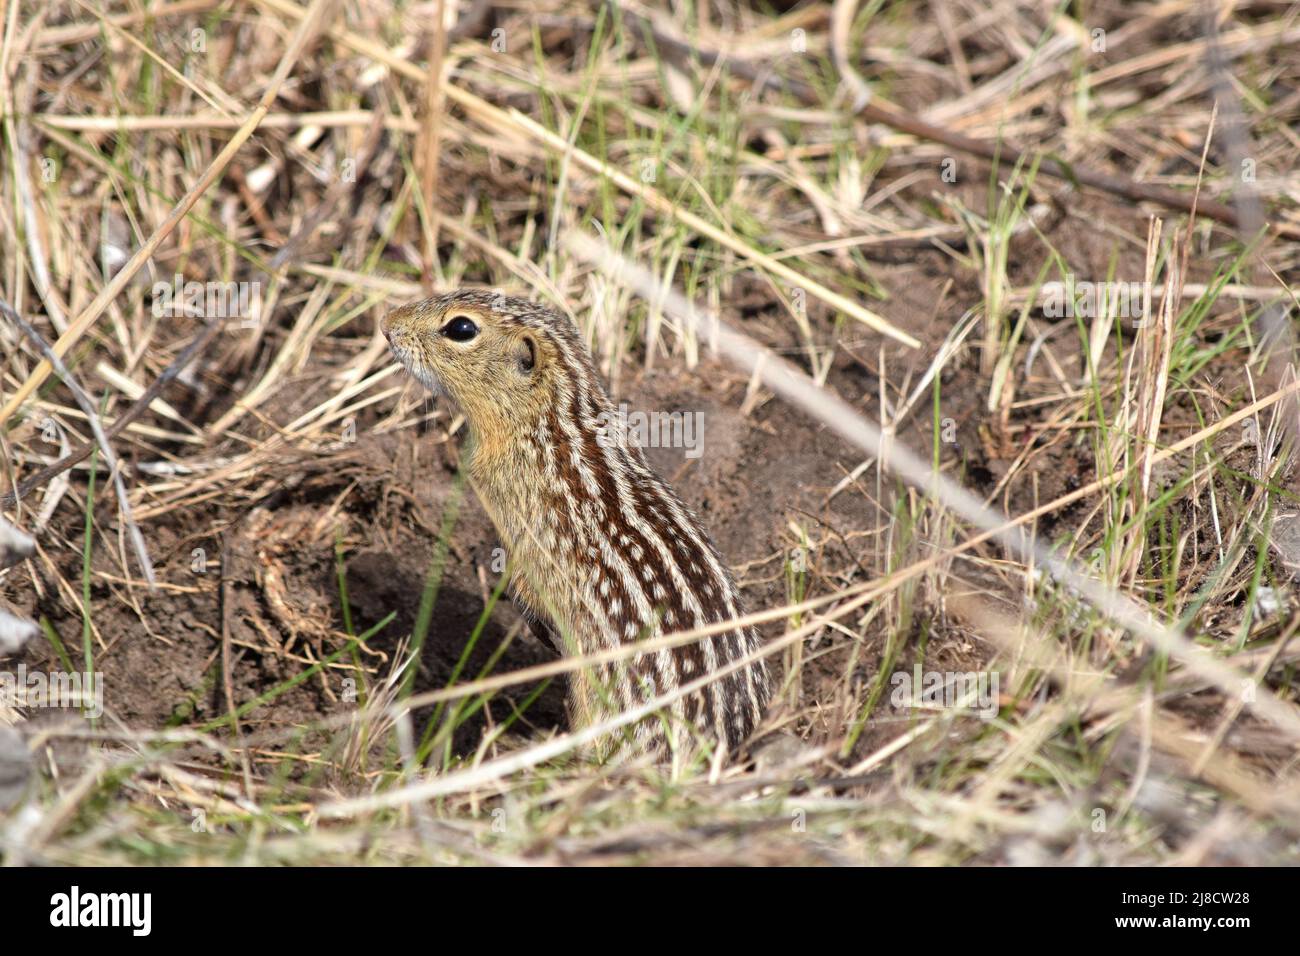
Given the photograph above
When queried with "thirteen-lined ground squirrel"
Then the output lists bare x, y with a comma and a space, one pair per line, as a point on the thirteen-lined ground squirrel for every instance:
602, 551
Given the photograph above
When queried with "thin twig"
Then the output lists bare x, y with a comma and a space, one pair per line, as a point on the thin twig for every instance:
307, 30
227, 658
783, 379
22, 140
431, 143
686, 54
82, 452
96, 426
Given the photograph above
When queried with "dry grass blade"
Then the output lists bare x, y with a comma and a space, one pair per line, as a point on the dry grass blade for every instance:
105, 445
306, 32
1029, 595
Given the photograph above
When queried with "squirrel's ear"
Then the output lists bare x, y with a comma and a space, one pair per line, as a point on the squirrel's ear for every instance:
526, 353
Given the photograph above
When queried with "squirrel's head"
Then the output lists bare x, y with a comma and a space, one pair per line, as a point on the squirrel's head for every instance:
500, 359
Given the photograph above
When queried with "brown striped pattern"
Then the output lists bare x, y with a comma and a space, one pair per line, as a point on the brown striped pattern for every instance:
601, 547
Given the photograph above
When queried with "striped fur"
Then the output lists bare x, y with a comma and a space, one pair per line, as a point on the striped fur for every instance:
602, 551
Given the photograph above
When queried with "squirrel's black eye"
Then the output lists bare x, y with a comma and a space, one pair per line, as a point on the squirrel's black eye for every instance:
460, 329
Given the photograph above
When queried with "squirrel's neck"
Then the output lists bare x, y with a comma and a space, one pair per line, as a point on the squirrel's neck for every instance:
553, 486
572, 448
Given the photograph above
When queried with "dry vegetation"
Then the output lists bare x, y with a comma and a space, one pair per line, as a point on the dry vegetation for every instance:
881, 193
